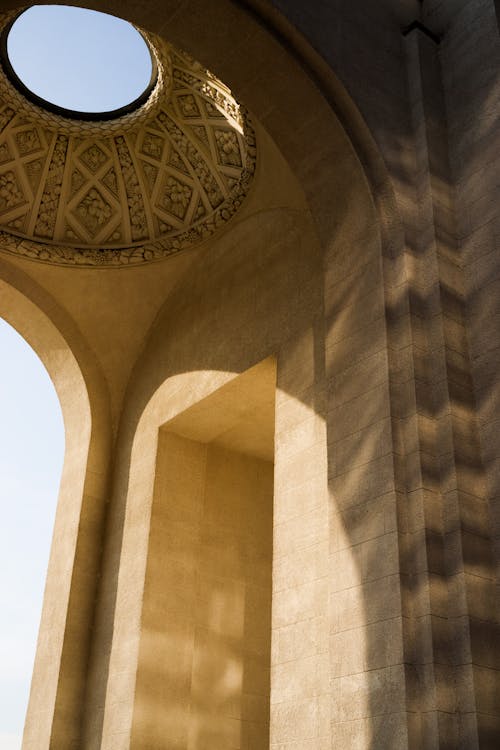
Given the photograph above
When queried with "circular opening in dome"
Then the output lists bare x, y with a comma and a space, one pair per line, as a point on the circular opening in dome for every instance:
78, 62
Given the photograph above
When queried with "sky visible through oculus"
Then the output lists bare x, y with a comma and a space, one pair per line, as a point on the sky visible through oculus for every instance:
79, 59
89, 62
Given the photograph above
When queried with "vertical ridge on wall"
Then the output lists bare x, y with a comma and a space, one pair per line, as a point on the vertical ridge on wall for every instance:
442, 514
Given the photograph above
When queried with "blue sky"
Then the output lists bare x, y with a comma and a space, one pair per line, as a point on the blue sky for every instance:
79, 59
31, 456
86, 61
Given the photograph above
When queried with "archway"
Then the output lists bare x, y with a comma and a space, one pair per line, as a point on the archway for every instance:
31, 459
347, 264
77, 530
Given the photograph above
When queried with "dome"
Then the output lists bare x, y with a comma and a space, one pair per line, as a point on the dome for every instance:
126, 190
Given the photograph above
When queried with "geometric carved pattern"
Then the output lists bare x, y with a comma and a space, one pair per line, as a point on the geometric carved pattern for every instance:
93, 211
27, 141
128, 190
175, 196
10, 192
93, 158
49, 203
228, 147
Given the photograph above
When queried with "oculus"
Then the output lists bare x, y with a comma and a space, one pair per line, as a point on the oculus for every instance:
78, 62
131, 187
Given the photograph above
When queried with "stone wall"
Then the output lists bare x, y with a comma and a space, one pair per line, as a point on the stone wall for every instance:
364, 263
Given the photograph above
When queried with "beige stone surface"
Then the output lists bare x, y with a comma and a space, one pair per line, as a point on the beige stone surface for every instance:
341, 327
206, 622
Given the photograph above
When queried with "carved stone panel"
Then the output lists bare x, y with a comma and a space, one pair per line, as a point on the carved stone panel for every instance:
128, 190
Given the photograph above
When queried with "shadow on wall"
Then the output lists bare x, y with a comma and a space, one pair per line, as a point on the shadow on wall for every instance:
446, 561
390, 379
262, 291
239, 305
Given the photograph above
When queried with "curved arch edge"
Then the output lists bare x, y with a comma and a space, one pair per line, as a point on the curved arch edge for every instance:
75, 550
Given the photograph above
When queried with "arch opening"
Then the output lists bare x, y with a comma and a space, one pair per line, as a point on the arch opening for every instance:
31, 460
70, 582
336, 213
